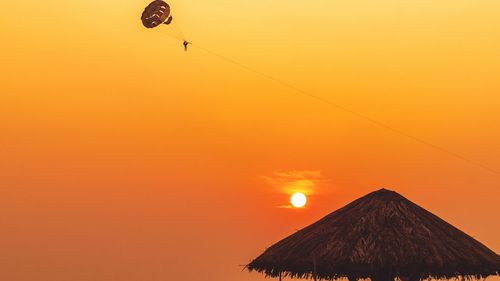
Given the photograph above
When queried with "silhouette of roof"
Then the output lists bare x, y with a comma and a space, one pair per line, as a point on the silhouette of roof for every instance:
381, 236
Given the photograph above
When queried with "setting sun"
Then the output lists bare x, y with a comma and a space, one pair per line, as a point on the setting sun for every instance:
298, 200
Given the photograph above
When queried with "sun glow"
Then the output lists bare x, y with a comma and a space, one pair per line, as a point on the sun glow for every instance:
298, 200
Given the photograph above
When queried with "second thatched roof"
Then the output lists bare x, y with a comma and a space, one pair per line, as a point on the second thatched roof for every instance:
381, 236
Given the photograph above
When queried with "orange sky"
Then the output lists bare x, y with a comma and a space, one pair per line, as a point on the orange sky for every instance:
124, 158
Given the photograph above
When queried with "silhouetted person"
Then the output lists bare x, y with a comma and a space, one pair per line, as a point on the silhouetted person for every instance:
186, 43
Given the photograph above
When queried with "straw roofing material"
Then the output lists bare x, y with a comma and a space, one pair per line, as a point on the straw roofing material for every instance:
381, 236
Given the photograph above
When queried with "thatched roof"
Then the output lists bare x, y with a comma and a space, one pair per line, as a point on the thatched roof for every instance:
380, 236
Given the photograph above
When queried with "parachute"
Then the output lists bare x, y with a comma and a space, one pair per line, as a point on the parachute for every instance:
156, 13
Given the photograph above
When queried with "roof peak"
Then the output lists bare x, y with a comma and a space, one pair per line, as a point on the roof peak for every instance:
384, 193
383, 189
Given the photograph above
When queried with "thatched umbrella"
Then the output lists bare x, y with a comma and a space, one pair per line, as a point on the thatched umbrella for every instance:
379, 236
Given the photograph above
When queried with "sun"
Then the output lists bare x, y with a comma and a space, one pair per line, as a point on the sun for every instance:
298, 200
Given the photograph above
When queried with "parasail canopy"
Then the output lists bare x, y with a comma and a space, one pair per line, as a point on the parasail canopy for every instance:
156, 13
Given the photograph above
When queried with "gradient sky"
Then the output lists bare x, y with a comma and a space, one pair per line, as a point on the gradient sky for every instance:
124, 158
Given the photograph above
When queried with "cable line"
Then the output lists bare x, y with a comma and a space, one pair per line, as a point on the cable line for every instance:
353, 112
